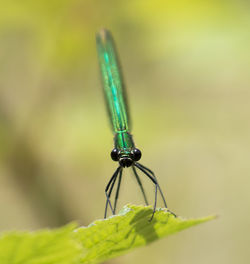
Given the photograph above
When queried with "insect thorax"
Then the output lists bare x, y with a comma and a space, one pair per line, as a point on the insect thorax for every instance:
124, 141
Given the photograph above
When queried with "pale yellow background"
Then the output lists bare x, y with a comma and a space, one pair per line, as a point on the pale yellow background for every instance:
186, 66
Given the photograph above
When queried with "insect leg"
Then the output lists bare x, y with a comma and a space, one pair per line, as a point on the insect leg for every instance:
118, 189
140, 184
108, 192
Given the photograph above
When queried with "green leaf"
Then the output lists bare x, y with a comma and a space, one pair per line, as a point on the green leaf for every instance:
40, 247
105, 239
100, 241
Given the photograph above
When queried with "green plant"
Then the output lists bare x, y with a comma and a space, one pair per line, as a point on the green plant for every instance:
100, 241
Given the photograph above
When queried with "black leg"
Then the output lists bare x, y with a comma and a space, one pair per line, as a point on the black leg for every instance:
107, 198
140, 184
156, 186
108, 194
152, 173
118, 189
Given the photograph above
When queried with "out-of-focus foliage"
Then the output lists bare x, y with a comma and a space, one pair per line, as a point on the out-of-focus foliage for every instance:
186, 66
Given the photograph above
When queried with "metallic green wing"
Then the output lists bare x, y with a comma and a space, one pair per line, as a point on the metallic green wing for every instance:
112, 81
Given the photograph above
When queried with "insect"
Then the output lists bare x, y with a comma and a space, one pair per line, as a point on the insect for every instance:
124, 152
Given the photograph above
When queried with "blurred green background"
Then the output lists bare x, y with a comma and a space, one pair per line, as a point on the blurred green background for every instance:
186, 66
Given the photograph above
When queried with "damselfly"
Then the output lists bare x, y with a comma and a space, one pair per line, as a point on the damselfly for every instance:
124, 152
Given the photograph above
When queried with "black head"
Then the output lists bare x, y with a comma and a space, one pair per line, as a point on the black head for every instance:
125, 162
126, 159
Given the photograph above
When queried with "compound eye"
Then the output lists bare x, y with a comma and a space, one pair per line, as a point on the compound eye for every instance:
136, 154
115, 154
